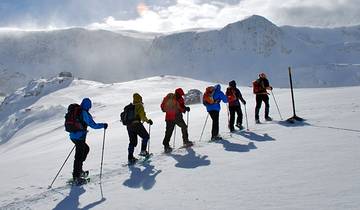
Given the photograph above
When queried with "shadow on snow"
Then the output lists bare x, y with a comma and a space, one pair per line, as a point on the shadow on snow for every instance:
190, 159
71, 201
255, 137
232, 147
142, 178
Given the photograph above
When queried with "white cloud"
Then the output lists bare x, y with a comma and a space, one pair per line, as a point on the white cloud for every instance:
187, 14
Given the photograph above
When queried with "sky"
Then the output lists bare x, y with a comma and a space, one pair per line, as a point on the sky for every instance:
172, 15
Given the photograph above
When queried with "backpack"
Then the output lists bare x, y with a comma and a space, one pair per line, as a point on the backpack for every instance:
232, 96
73, 119
169, 102
128, 115
208, 96
256, 87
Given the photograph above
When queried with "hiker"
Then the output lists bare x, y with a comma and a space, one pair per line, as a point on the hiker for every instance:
211, 99
136, 128
79, 139
260, 87
174, 106
234, 95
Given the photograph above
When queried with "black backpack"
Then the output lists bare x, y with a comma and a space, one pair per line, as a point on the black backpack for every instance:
73, 119
128, 115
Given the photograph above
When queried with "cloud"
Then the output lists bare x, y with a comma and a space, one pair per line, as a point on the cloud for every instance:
186, 14
174, 15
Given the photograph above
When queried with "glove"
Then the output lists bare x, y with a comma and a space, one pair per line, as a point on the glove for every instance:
187, 109
150, 121
105, 125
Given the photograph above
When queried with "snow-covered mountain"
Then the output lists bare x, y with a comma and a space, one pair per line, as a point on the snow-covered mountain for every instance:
238, 51
274, 165
242, 49
97, 55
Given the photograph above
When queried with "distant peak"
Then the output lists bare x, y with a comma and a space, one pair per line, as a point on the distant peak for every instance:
253, 20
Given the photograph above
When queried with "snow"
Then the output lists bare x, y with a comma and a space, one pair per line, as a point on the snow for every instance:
274, 165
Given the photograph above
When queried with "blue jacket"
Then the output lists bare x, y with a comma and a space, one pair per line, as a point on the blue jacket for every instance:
87, 118
218, 97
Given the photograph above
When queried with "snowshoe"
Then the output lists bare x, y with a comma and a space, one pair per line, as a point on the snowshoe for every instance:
84, 174
144, 153
168, 149
78, 181
216, 138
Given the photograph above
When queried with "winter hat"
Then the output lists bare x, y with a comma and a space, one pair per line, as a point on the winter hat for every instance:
179, 92
86, 104
137, 98
262, 74
232, 83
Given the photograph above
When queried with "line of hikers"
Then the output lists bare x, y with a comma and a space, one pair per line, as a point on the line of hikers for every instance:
78, 119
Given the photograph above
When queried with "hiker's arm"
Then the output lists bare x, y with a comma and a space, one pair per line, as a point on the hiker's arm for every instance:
90, 122
141, 112
223, 97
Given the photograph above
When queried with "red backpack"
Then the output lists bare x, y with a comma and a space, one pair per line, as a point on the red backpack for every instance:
73, 119
232, 96
256, 87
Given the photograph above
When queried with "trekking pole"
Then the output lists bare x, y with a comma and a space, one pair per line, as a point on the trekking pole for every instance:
228, 115
187, 119
247, 122
202, 132
61, 167
174, 136
276, 105
149, 139
102, 155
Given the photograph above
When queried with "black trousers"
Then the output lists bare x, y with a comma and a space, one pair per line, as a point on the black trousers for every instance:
134, 130
81, 152
215, 124
170, 125
239, 120
259, 99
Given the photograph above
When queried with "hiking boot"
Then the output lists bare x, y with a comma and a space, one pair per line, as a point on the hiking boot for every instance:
257, 121
168, 149
144, 153
232, 129
268, 118
188, 143
132, 160
240, 126
216, 138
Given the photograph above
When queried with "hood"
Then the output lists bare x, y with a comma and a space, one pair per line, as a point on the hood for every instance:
86, 104
217, 87
179, 92
137, 98
232, 83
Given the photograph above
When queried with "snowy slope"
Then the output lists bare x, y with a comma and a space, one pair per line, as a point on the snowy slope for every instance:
313, 165
240, 50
